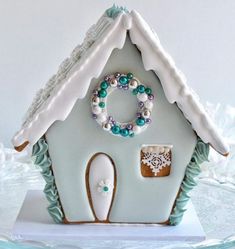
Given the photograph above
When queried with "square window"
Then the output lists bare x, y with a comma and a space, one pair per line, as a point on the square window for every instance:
156, 160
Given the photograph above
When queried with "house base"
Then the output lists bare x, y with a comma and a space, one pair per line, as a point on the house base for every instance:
34, 223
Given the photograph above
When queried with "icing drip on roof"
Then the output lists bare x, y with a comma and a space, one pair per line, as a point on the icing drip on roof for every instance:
88, 60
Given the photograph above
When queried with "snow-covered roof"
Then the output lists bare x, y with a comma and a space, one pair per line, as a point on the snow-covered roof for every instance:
87, 61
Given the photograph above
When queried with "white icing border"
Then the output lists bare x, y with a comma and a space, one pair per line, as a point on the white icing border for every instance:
90, 66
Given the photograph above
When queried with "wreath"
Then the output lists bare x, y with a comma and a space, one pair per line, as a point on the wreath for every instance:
124, 82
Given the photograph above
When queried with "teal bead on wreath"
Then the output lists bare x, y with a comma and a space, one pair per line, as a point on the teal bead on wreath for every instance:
124, 132
140, 121
123, 80
102, 93
115, 129
104, 85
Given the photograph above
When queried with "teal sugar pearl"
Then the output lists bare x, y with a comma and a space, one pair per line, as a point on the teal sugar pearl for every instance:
106, 189
123, 80
101, 104
104, 85
102, 93
115, 129
131, 134
148, 90
124, 132
135, 91
141, 88
129, 76
140, 121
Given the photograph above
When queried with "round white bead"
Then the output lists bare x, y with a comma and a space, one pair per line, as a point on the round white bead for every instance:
113, 82
107, 126
95, 100
101, 117
148, 104
136, 129
146, 113
142, 97
133, 84
96, 110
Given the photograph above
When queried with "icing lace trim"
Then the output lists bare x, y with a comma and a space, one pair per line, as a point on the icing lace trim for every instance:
156, 161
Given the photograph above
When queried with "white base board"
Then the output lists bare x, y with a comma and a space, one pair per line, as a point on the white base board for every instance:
34, 223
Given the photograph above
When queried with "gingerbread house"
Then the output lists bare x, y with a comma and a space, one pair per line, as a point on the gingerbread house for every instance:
117, 132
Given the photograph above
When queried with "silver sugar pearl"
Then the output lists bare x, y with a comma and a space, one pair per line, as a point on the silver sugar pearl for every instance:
117, 75
95, 100
113, 82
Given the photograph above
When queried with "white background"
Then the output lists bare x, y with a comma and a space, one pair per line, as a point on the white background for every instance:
35, 36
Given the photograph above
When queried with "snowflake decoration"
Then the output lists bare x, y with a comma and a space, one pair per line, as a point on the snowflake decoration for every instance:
105, 187
157, 160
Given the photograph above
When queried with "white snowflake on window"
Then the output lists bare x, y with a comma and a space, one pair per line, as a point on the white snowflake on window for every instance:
156, 158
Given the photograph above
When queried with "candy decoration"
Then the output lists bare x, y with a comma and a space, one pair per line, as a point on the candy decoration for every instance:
125, 82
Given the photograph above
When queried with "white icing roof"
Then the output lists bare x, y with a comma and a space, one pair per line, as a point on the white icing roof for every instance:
88, 60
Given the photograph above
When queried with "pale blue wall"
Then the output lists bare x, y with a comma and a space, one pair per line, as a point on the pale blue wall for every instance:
74, 141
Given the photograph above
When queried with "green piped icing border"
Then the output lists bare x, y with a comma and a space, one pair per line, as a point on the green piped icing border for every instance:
114, 11
200, 155
42, 159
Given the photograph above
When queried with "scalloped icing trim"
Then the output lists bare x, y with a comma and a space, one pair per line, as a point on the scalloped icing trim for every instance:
200, 155
42, 159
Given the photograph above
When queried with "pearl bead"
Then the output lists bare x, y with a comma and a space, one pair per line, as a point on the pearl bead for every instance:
136, 129
141, 88
148, 104
133, 83
141, 104
102, 93
95, 100
148, 90
113, 82
148, 120
101, 104
117, 75
115, 129
101, 117
107, 126
124, 132
140, 121
110, 118
96, 110
123, 80
104, 85
94, 116
125, 87
142, 97
95, 92
129, 76
135, 91
107, 78
146, 113
129, 126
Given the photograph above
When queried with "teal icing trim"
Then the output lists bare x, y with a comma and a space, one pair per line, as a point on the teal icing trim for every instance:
42, 159
200, 155
114, 11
